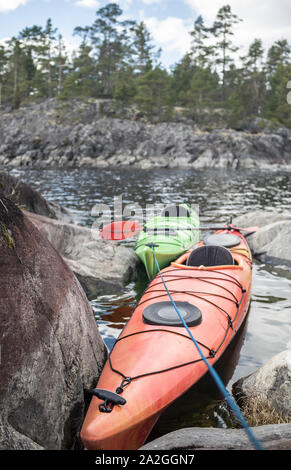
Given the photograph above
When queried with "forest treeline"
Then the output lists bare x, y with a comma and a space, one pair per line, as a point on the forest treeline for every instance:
118, 60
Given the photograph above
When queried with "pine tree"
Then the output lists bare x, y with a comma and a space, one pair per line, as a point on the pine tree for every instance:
108, 36
278, 54
237, 96
202, 95
254, 76
153, 94
3, 71
44, 50
144, 53
48, 49
199, 49
82, 78
182, 74
31, 39
125, 90
15, 70
277, 108
223, 31
61, 63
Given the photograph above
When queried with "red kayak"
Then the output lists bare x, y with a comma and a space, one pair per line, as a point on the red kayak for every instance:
120, 230
154, 361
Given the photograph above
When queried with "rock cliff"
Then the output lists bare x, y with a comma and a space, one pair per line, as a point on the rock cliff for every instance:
77, 135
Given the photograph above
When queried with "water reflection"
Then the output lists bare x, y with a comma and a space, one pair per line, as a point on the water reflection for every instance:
219, 193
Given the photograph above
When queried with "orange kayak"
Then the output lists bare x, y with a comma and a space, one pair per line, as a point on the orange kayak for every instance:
154, 361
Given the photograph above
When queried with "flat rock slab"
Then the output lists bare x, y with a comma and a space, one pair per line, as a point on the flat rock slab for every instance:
102, 267
272, 242
273, 436
261, 218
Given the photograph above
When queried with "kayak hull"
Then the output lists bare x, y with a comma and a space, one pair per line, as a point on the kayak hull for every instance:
164, 258
163, 362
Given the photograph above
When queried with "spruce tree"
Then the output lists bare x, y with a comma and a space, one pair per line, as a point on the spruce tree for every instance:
153, 95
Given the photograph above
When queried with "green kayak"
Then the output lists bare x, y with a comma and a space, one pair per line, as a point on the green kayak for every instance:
171, 233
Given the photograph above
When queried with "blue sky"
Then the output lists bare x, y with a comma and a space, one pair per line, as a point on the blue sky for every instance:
169, 21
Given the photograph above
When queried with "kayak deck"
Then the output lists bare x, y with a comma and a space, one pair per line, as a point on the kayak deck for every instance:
161, 361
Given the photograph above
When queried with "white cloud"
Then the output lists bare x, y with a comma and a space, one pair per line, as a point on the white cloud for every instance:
71, 45
172, 33
92, 4
126, 3
10, 5
264, 19
150, 2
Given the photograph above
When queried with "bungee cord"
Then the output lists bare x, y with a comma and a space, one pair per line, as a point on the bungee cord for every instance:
235, 408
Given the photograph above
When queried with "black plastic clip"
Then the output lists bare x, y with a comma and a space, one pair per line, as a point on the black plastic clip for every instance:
110, 399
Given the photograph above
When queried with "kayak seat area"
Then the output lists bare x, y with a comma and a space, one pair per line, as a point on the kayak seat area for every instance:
210, 255
175, 211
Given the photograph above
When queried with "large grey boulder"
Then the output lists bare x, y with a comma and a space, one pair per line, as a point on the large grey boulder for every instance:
272, 242
25, 196
51, 349
271, 383
272, 436
261, 218
102, 267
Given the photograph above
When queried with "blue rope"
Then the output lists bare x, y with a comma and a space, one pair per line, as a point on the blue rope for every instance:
235, 408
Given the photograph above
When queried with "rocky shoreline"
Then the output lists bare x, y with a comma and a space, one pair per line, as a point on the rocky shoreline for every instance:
78, 134
52, 349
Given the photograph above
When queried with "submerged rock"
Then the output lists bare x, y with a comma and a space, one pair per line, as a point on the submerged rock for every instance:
102, 267
51, 349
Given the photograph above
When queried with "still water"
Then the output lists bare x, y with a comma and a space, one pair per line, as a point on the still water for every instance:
219, 195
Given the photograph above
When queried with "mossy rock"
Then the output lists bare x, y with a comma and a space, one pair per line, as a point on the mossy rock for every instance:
6, 237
